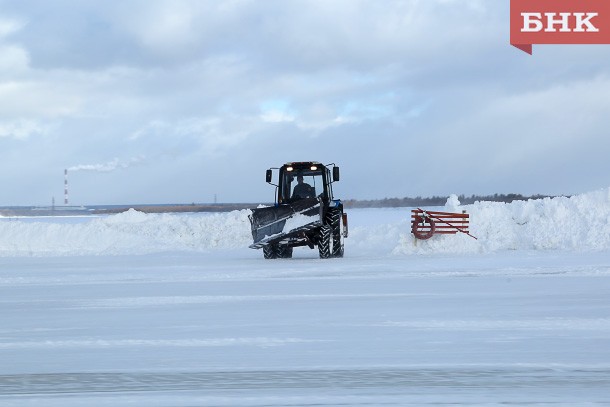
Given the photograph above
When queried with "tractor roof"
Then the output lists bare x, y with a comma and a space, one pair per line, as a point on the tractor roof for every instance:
303, 163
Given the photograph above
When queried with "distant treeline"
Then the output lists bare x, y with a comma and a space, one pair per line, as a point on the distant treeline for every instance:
436, 200
349, 203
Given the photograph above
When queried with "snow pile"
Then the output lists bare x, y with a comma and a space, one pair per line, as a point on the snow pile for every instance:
131, 232
581, 222
453, 204
578, 223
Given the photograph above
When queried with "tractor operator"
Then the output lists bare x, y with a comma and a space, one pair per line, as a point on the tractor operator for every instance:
302, 189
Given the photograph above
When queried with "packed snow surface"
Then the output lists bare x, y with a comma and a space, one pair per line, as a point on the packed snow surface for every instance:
174, 310
580, 223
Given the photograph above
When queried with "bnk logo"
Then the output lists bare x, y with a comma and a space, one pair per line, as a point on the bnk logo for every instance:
532, 22
559, 22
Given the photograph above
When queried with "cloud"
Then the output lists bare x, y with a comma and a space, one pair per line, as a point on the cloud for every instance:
428, 94
276, 111
189, 135
13, 59
22, 129
9, 26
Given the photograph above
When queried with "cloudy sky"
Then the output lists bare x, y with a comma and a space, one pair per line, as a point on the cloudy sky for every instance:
178, 101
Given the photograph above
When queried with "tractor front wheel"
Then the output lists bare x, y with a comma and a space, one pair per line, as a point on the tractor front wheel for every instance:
334, 219
269, 251
324, 242
276, 251
284, 252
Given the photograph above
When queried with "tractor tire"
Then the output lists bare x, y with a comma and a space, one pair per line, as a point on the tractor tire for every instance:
324, 242
270, 251
284, 252
275, 251
334, 219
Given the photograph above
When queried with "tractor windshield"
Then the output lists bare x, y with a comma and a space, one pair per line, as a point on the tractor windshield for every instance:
302, 183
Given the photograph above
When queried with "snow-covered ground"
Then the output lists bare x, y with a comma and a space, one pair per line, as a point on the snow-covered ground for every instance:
174, 310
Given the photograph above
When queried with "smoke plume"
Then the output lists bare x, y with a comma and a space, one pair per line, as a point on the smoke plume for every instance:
113, 165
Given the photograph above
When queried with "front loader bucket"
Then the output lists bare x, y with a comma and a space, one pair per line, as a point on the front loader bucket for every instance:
269, 224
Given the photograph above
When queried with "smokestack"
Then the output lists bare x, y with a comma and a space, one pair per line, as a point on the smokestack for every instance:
65, 187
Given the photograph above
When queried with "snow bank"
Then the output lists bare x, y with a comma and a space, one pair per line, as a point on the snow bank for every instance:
579, 223
131, 232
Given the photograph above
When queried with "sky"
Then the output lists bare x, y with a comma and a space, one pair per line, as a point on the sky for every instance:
182, 101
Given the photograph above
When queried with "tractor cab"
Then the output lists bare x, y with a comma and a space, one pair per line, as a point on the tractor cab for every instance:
301, 180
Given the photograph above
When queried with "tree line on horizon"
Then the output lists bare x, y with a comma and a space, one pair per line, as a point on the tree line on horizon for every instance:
436, 200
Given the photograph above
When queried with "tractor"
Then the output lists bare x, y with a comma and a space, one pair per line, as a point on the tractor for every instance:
305, 212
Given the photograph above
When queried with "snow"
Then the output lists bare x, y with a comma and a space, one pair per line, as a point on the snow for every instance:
174, 310
131, 232
577, 223
298, 221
